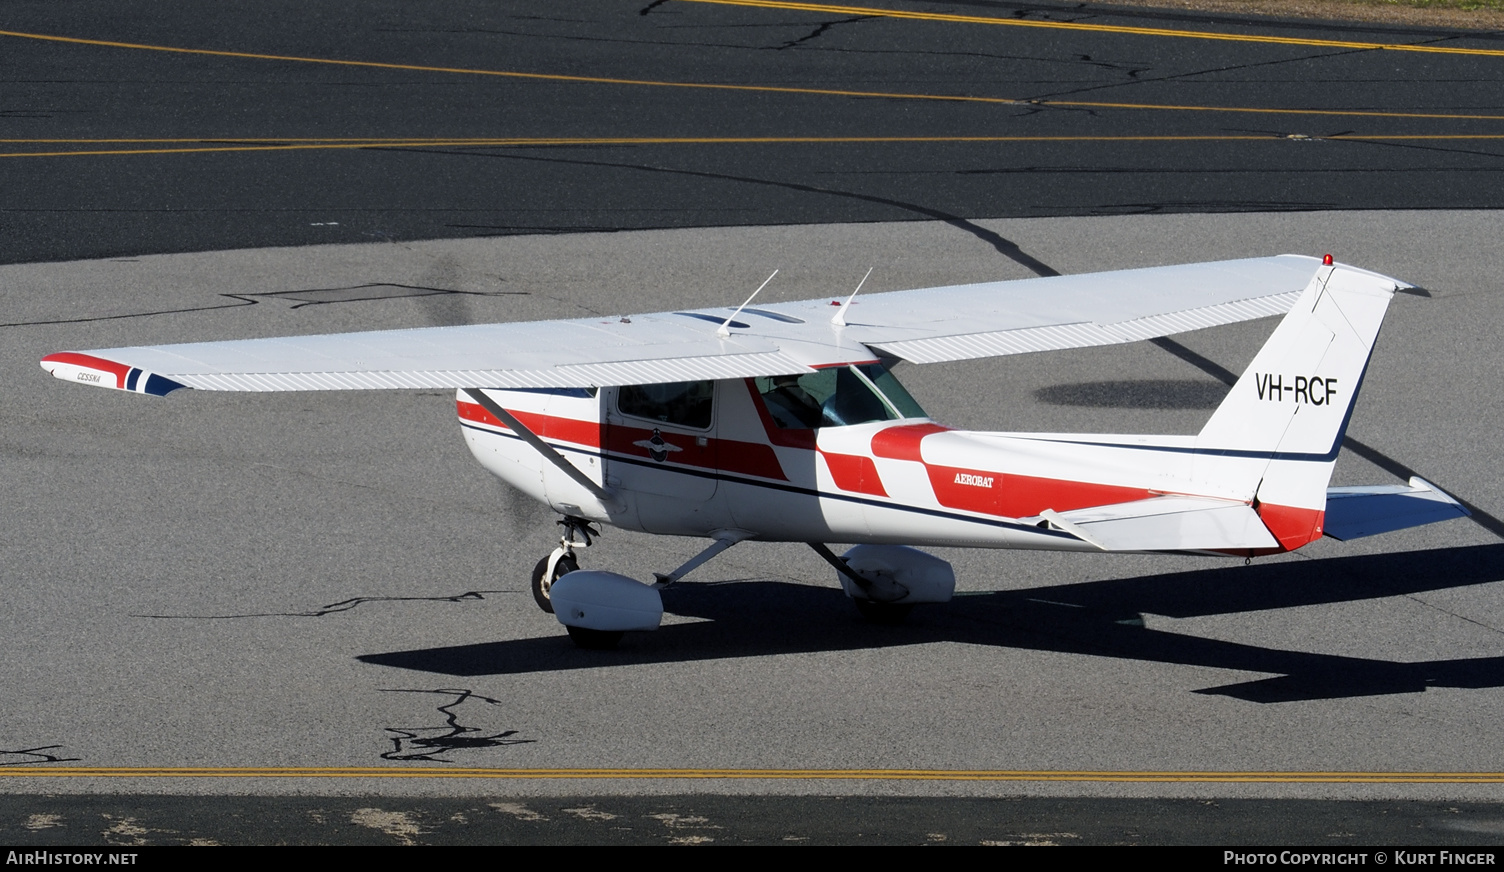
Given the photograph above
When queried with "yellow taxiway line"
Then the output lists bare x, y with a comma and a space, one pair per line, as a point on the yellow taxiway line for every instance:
762, 774
780, 89
912, 15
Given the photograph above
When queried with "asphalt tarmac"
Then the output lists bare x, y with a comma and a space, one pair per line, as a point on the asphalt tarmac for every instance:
161, 129
327, 580
323, 594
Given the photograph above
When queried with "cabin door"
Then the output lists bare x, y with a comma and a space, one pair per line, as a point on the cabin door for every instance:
660, 440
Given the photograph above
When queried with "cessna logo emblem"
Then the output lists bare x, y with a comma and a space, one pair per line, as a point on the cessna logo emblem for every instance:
1315, 390
657, 448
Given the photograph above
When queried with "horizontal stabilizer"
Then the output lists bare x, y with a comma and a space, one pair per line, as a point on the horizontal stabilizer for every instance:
1167, 523
1355, 512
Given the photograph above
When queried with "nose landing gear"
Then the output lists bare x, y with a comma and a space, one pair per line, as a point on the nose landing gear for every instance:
577, 534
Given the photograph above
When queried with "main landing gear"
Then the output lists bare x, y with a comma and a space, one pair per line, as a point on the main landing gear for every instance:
885, 582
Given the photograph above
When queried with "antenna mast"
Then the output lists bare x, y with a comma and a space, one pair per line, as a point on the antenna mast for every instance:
840, 317
724, 331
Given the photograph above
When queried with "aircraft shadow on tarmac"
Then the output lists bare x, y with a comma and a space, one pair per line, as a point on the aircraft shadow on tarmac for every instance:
1102, 619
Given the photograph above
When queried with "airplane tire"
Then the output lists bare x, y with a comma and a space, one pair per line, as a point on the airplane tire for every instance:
566, 564
594, 640
887, 614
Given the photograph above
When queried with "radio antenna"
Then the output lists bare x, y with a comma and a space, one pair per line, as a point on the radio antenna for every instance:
724, 331
840, 317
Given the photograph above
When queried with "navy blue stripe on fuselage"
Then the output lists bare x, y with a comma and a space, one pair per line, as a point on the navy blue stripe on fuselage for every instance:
786, 488
1209, 452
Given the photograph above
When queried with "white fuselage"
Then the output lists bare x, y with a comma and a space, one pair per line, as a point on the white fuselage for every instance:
908, 481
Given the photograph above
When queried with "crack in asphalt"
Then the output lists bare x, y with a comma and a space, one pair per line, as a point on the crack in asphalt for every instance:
346, 294
428, 743
1080, 60
1431, 148
369, 291
800, 43
820, 31
335, 608
240, 298
1137, 79
34, 756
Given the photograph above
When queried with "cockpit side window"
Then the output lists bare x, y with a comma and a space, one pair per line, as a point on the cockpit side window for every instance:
682, 404
904, 404
836, 397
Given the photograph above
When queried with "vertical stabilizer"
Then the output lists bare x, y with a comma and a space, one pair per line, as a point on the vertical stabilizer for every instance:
1277, 433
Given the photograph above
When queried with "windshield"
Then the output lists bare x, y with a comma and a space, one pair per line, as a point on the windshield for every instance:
836, 397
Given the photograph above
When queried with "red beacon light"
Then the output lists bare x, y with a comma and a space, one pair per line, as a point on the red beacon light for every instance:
1326, 260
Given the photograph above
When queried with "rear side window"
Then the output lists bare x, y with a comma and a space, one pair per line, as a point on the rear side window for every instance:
681, 404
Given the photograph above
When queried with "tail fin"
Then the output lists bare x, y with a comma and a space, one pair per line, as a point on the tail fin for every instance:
1276, 435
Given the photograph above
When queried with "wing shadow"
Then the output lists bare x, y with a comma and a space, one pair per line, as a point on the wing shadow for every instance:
762, 618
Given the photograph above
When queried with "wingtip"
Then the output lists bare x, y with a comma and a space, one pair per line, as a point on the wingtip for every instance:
73, 366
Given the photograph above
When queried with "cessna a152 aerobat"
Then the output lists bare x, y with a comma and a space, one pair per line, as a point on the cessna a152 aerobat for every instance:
783, 422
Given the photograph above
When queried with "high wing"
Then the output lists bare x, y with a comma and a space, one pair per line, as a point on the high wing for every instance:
922, 326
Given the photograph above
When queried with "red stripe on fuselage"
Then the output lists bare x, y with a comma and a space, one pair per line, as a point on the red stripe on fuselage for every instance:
902, 443
544, 426
73, 358
996, 493
1021, 496
855, 473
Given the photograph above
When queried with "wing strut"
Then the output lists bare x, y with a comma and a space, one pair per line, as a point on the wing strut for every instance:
723, 539
606, 497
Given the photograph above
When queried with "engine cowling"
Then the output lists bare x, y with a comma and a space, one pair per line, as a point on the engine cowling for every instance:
899, 575
605, 601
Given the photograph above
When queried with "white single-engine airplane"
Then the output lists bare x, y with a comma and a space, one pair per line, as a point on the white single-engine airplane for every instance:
783, 423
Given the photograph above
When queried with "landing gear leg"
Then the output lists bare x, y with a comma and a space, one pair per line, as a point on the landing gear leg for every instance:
577, 534
877, 605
